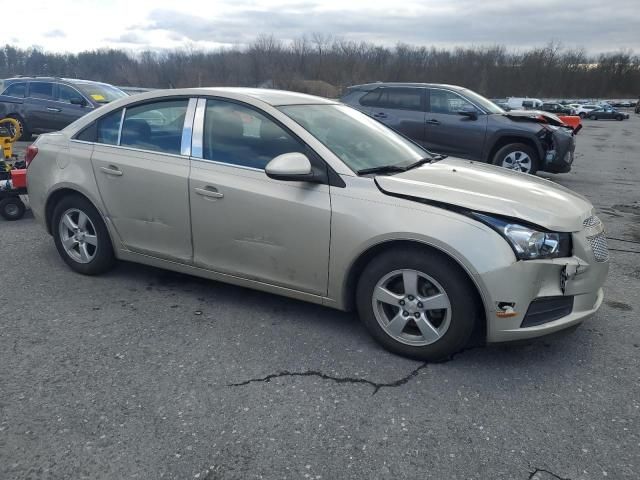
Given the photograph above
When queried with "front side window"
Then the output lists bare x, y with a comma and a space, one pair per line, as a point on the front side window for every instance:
357, 139
155, 126
443, 101
41, 90
17, 89
239, 135
108, 128
66, 94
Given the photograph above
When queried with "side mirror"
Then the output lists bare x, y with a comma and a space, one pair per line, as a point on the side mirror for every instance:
293, 166
78, 101
472, 113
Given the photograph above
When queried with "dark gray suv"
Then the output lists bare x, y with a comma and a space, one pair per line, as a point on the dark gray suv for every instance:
456, 121
48, 104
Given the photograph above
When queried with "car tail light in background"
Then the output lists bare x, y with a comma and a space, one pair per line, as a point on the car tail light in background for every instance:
31, 153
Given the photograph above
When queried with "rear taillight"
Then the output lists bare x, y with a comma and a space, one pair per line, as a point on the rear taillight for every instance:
31, 153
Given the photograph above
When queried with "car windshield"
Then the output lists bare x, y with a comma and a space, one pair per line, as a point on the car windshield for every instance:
357, 139
100, 92
485, 103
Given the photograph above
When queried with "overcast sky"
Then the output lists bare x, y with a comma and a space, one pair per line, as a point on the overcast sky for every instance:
75, 25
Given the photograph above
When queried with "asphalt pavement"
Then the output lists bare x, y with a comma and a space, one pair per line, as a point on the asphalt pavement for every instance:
147, 374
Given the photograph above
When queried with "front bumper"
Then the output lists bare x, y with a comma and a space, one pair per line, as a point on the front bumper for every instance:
559, 158
514, 288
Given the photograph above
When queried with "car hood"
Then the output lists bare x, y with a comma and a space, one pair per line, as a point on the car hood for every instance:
486, 188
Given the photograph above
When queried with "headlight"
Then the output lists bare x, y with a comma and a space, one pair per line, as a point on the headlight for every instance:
527, 242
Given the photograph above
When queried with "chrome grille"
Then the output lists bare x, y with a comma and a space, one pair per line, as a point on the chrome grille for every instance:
591, 221
599, 246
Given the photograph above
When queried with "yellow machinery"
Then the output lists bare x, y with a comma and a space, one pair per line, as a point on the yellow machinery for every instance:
10, 132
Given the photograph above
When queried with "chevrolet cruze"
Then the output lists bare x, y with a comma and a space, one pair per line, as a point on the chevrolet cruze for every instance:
308, 198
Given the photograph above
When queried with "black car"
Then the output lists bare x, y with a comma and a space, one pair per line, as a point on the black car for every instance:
607, 113
557, 108
455, 121
47, 104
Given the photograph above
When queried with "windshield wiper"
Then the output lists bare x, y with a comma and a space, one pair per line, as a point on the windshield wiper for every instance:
401, 168
422, 161
382, 169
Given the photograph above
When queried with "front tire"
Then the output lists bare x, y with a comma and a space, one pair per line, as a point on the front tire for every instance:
592, 117
81, 237
518, 157
619, 118
417, 304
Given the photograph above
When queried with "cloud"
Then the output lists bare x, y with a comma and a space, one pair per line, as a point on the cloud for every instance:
590, 23
55, 34
129, 37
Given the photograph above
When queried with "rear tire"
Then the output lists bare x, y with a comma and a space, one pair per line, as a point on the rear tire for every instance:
517, 156
12, 208
81, 237
402, 321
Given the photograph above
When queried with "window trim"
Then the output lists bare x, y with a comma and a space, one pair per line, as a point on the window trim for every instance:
480, 110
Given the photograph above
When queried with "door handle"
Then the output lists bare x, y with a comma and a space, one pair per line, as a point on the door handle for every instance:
210, 192
51, 109
380, 115
433, 121
111, 170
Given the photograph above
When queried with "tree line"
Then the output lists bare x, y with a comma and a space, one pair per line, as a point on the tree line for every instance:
323, 65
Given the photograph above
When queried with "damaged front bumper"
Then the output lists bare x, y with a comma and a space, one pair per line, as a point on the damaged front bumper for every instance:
559, 146
533, 298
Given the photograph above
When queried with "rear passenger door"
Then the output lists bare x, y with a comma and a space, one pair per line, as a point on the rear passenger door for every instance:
41, 110
401, 108
450, 133
141, 166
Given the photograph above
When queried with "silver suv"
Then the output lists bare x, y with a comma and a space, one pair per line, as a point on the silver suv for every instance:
308, 198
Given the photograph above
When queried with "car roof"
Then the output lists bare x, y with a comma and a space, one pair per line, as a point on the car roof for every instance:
274, 98
53, 79
372, 86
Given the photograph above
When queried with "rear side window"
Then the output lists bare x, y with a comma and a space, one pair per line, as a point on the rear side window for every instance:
401, 98
371, 99
108, 128
155, 126
239, 135
17, 89
41, 90
443, 101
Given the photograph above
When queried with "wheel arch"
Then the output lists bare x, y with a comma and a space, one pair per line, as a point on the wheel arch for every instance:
515, 138
356, 268
54, 198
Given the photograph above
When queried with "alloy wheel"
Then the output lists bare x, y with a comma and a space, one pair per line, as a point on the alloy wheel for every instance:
78, 235
518, 161
412, 307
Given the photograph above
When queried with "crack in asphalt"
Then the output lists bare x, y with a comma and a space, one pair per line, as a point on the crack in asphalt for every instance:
542, 470
314, 373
